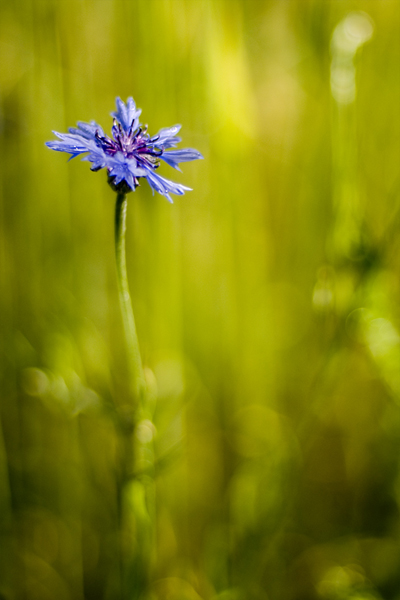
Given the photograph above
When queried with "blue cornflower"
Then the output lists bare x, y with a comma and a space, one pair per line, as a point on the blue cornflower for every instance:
131, 153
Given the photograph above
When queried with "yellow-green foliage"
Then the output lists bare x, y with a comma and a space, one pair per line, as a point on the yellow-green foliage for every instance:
267, 303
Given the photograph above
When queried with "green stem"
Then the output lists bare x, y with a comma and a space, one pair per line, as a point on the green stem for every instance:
138, 387
135, 361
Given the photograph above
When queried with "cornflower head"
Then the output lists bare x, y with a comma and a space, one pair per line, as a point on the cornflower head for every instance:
130, 153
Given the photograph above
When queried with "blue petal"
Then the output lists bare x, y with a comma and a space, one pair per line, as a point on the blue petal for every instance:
98, 159
127, 114
120, 161
71, 148
121, 168
166, 137
171, 142
87, 130
167, 132
165, 186
174, 157
71, 143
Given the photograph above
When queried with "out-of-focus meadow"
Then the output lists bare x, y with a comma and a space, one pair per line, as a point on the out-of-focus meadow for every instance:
267, 303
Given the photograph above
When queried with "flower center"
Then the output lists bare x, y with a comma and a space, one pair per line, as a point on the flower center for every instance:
135, 144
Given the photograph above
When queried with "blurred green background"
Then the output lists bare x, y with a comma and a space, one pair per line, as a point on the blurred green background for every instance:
267, 303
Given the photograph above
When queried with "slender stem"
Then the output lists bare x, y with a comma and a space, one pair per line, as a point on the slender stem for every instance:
138, 387
135, 361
